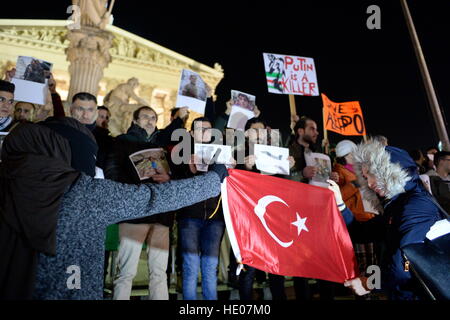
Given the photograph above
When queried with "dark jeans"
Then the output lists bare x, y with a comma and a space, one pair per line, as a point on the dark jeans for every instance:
246, 279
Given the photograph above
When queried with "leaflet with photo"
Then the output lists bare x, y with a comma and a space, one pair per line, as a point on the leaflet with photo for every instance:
211, 153
31, 80
192, 92
239, 117
271, 159
149, 162
323, 164
243, 100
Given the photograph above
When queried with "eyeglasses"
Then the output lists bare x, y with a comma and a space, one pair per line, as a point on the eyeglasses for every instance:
5, 100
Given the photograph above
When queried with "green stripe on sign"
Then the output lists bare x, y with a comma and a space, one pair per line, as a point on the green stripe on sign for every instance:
275, 75
271, 87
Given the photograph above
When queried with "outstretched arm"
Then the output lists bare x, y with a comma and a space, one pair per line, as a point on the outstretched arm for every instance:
119, 202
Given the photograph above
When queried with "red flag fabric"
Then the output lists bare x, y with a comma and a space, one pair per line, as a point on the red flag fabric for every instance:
286, 227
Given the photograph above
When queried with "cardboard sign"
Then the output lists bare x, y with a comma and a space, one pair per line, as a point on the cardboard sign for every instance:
290, 75
345, 118
192, 92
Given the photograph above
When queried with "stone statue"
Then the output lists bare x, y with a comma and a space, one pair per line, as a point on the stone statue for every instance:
94, 13
117, 100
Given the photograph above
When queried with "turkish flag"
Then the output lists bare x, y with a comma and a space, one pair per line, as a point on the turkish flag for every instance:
286, 227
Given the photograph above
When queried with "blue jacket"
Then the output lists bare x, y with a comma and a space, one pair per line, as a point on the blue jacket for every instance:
407, 217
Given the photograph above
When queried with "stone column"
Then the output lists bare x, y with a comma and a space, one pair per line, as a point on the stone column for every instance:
88, 54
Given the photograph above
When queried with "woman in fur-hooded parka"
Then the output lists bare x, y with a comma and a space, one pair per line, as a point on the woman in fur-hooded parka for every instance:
408, 210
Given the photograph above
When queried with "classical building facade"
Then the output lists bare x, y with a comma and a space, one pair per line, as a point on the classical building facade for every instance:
157, 68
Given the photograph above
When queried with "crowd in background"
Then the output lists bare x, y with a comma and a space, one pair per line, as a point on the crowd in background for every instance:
376, 186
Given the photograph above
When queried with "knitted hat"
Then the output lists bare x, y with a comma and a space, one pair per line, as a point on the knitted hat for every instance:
7, 86
344, 147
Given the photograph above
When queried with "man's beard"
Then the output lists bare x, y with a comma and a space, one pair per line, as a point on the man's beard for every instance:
308, 140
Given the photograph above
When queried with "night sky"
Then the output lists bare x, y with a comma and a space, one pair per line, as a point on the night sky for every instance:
376, 67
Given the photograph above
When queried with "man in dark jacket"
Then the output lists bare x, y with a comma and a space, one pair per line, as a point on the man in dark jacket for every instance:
306, 135
143, 134
201, 227
103, 137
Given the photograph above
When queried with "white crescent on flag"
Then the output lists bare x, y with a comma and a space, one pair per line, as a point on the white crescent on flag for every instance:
260, 210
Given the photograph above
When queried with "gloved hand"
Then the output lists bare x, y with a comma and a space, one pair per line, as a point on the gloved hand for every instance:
220, 169
358, 285
337, 194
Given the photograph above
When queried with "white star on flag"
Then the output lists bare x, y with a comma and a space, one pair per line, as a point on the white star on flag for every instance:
300, 224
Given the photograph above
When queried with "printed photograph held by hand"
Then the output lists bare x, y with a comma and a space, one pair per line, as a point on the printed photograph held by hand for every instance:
211, 153
32, 69
150, 162
243, 100
323, 164
192, 92
192, 85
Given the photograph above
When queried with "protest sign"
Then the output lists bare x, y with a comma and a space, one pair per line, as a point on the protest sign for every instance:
345, 118
211, 153
243, 100
149, 162
239, 117
272, 160
192, 92
323, 164
31, 80
290, 75
243, 105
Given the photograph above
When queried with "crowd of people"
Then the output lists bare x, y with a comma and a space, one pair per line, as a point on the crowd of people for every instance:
67, 184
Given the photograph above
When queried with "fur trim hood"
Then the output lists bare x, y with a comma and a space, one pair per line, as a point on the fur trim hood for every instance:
393, 168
